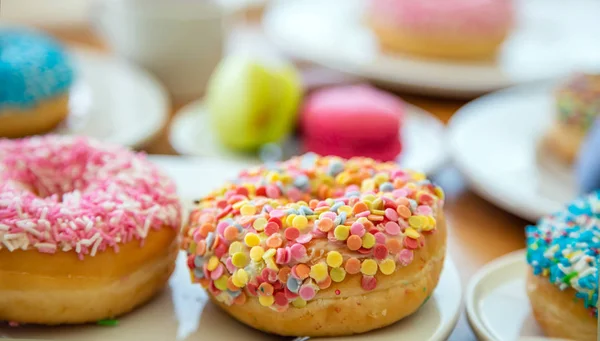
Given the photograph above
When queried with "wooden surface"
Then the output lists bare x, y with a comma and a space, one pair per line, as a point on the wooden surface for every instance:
479, 232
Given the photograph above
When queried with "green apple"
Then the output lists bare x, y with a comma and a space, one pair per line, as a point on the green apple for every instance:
252, 102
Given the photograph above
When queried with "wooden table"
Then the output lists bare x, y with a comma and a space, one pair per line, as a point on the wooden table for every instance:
479, 232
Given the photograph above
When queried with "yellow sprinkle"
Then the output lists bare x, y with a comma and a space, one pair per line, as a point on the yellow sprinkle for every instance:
347, 209
368, 267
368, 240
239, 259
387, 266
430, 224
341, 232
300, 222
266, 301
377, 212
412, 233
251, 239
318, 272
235, 247
439, 193
418, 176
369, 197
270, 253
272, 177
295, 206
289, 219
271, 264
334, 259
248, 210
240, 278
321, 209
256, 253
367, 185
239, 204
251, 188
221, 282
380, 178
298, 303
534, 246
259, 224
416, 221
329, 201
343, 178
377, 204
213, 262
302, 203
337, 274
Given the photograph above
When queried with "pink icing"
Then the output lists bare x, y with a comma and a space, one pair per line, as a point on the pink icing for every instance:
482, 16
62, 193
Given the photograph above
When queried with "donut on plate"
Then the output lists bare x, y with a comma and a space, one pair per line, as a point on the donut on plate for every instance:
577, 103
87, 231
319, 246
562, 284
35, 78
446, 29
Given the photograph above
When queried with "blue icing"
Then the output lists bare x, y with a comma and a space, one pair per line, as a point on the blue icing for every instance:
565, 248
33, 67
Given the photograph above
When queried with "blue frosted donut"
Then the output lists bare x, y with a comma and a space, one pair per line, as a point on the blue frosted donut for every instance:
33, 68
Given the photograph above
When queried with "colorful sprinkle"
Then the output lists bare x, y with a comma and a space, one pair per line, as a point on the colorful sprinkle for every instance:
352, 266
334, 259
369, 267
337, 274
387, 266
318, 272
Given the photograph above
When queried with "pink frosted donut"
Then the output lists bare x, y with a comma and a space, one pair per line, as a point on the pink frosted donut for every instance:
442, 28
87, 231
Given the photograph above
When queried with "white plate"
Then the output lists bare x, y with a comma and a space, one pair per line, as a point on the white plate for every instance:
497, 304
494, 142
551, 37
423, 139
114, 101
182, 311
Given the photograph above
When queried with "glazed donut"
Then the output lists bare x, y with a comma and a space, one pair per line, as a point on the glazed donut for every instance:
319, 246
455, 29
562, 251
36, 76
87, 231
577, 103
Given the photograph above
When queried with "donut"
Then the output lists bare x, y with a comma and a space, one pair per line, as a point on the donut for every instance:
562, 283
577, 105
36, 75
88, 231
352, 120
319, 245
455, 29
587, 165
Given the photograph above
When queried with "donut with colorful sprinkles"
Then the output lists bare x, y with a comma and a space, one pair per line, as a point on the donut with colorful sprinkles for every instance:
88, 231
319, 246
562, 284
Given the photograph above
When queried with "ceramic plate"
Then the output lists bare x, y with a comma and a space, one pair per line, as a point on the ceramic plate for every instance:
550, 38
497, 304
423, 134
182, 311
114, 101
494, 141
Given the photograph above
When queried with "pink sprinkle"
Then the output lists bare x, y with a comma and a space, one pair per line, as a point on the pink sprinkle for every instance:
380, 252
391, 214
290, 295
368, 282
398, 174
269, 275
220, 250
405, 257
329, 215
392, 228
307, 292
400, 193
229, 264
273, 191
322, 204
379, 238
291, 233
357, 229
216, 273
277, 213
424, 210
221, 226
206, 272
363, 214
294, 194
271, 228
305, 238
280, 298
283, 256
298, 251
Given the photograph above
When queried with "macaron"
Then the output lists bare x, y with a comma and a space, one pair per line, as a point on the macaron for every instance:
587, 164
352, 120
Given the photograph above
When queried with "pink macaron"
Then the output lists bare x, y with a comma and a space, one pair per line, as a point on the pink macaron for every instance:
352, 120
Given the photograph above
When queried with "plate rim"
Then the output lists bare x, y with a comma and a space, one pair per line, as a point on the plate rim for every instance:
197, 105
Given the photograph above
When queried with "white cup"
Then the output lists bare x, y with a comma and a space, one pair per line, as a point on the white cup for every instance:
179, 41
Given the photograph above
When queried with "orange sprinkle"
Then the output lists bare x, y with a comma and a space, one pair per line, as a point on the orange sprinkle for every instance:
399, 183
394, 246
274, 241
403, 202
313, 203
403, 211
204, 282
231, 233
230, 284
354, 242
201, 248
360, 207
374, 217
352, 266
302, 271
368, 225
241, 299
205, 229
325, 283
265, 289
284, 273
325, 224
350, 221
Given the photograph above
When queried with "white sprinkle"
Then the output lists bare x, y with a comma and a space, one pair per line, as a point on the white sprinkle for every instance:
45, 246
8, 245
11, 236
4, 227
44, 213
96, 245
